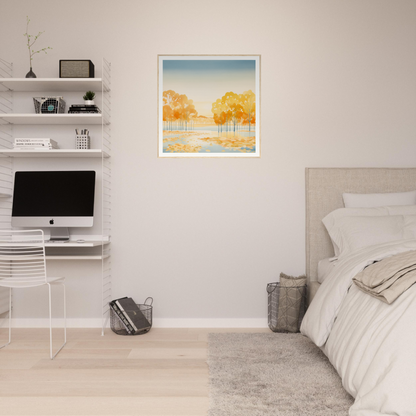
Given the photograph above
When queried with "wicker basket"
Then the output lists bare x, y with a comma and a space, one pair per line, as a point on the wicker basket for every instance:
117, 326
49, 105
280, 319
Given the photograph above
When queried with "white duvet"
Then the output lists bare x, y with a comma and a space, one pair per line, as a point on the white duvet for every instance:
370, 343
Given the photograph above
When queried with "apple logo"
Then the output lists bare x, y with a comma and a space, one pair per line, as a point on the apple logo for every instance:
51, 222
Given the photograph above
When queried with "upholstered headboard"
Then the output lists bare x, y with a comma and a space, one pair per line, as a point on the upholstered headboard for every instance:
324, 189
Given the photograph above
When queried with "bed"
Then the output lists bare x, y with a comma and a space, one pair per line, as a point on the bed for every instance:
371, 344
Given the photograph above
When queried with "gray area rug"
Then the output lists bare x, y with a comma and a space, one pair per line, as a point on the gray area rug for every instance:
272, 374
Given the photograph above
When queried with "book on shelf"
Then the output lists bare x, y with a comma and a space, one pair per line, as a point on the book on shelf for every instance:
34, 147
36, 140
81, 111
82, 108
133, 314
121, 317
35, 144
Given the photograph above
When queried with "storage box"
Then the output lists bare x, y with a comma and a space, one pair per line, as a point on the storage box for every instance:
71, 68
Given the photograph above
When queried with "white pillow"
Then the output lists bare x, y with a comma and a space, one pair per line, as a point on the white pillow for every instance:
332, 219
352, 233
379, 200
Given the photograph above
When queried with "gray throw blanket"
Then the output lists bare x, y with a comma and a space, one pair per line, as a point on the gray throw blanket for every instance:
389, 278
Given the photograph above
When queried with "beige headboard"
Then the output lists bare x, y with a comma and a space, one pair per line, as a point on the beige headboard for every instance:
324, 189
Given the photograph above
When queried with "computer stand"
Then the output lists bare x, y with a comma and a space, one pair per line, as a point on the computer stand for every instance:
59, 234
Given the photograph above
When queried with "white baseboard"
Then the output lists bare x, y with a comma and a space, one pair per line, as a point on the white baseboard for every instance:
210, 323
56, 323
157, 323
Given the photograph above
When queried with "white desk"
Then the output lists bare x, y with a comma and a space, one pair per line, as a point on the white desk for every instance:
74, 243
72, 250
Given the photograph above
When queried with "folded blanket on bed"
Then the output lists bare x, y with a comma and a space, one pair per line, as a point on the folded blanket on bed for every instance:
389, 278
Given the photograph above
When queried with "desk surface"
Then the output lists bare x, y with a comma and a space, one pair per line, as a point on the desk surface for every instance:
74, 243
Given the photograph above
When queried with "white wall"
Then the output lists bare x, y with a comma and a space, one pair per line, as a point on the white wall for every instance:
204, 236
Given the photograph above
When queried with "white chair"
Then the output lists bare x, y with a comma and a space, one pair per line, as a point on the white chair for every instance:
23, 265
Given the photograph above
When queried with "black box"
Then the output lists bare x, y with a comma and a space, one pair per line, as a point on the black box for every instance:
76, 68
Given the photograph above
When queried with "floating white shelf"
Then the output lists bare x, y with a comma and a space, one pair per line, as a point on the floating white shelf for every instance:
82, 153
52, 84
86, 257
60, 119
60, 244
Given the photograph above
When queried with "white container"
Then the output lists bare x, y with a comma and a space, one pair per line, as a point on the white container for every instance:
82, 141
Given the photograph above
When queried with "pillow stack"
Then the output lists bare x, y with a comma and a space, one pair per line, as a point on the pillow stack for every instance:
379, 200
364, 222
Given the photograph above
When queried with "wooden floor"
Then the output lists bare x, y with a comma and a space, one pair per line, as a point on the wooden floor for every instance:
162, 373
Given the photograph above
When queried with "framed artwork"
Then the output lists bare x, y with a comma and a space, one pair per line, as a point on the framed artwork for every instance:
209, 105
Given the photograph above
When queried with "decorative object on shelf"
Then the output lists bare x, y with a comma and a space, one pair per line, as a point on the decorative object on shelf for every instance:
30, 74
34, 144
72, 68
49, 105
219, 115
30, 43
82, 141
89, 98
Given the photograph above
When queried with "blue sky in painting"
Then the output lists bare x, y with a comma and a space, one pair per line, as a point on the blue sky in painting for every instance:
230, 66
204, 81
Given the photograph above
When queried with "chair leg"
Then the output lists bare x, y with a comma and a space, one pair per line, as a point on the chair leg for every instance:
10, 319
63, 285
50, 322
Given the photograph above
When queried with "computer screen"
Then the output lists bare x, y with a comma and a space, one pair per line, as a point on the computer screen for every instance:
53, 199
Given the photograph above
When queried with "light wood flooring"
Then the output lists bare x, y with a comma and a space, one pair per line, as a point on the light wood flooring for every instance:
162, 373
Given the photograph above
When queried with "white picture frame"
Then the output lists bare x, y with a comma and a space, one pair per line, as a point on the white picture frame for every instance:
209, 106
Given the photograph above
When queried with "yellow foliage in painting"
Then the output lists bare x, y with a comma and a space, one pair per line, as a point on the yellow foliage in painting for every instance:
235, 109
232, 111
237, 142
183, 148
177, 109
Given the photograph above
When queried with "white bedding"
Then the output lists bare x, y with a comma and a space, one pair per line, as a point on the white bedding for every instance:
325, 267
371, 344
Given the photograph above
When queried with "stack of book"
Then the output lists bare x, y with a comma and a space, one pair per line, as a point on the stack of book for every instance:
83, 109
130, 315
35, 144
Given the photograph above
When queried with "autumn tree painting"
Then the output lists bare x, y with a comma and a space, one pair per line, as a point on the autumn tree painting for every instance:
208, 106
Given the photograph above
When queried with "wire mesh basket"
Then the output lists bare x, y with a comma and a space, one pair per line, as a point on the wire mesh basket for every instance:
286, 307
117, 326
49, 105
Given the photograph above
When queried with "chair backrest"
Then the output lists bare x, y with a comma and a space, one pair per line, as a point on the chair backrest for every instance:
22, 258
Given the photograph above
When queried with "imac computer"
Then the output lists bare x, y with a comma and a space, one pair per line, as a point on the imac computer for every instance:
54, 199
